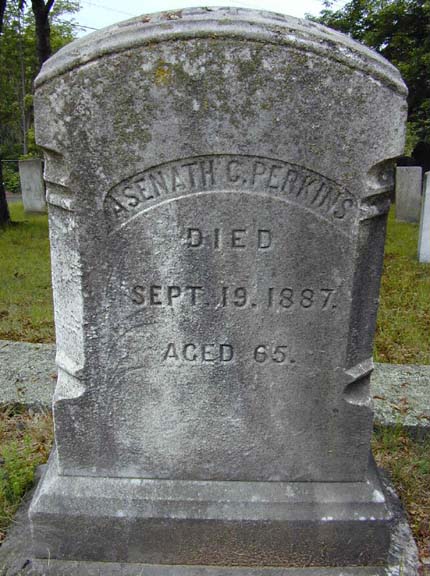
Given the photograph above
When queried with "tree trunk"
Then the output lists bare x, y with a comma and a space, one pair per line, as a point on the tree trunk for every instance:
2, 11
4, 210
43, 28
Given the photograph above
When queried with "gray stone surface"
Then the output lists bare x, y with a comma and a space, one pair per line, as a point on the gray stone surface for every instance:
408, 193
16, 557
401, 393
424, 237
218, 185
32, 185
246, 122
210, 522
27, 373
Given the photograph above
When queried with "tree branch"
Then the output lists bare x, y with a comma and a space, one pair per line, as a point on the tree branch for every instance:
2, 11
48, 6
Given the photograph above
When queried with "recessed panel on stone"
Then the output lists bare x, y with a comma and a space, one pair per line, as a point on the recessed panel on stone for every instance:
220, 329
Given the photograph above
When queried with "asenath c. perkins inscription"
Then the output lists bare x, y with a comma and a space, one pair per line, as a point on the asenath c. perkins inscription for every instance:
229, 173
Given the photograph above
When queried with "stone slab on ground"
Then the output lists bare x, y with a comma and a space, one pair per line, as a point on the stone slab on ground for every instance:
27, 373
15, 557
401, 392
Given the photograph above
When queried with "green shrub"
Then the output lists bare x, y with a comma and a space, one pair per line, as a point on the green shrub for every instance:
11, 178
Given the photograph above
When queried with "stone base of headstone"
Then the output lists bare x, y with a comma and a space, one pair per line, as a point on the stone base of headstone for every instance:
16, 557
154, 527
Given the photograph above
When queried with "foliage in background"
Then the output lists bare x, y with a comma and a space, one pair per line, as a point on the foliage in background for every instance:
402, 333
400, 31
25, 442
19, 65
27, 39
11, 177
25, 289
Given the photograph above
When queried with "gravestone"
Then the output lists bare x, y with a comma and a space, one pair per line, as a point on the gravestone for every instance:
32, 185
408, 193
218, 186
424, 237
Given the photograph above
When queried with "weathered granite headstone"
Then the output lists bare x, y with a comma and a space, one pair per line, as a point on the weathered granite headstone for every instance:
32, 185
218, 186
424, 238
408, 193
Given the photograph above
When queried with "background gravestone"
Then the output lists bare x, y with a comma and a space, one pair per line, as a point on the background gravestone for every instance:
32, 185
408, 193
424, 237
218, 186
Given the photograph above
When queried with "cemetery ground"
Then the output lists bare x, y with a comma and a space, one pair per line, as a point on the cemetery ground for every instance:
402, 337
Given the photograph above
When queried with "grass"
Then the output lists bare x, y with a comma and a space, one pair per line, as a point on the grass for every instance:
408, 462
26, 311
402, 334
25, 442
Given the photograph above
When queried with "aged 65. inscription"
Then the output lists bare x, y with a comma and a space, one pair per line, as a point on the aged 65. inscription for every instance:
229, 173
207, 353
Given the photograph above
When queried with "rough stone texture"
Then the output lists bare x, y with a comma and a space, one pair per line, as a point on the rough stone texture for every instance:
32, 185
400, 392
16, 557
234, 123
408, 193
27, 373
218, 184
401, 395
424, 238
211, 523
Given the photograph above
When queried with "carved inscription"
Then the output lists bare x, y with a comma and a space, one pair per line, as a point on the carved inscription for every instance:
213, 265
225, 353
228, 173
200, 298
235, 238
236, 297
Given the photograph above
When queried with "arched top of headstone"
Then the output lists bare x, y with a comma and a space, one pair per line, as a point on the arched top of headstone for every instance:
222, 22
